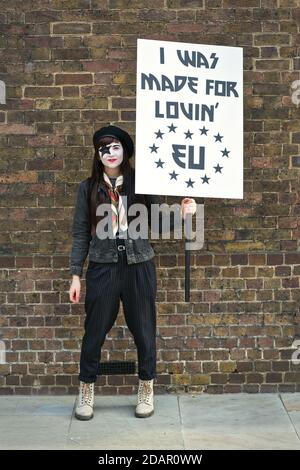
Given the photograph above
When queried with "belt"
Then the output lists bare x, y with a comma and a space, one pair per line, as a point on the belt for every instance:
121, 247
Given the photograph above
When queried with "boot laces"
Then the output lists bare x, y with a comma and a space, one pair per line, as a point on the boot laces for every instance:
145, 391
86, 393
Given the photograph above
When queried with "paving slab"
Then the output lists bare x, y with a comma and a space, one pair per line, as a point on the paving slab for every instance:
229, 421
114, 425
236, 421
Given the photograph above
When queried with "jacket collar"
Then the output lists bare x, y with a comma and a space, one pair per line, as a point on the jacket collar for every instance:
101, 185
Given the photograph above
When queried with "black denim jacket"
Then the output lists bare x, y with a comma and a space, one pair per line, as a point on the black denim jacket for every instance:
105, 250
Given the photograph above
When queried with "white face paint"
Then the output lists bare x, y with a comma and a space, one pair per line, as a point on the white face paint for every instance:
111, 155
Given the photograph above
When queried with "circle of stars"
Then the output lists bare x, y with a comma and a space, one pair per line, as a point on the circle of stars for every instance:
188, 135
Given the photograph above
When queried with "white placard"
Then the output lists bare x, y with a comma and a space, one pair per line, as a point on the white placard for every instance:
189, 119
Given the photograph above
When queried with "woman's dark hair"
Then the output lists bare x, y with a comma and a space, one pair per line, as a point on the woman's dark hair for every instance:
96, 197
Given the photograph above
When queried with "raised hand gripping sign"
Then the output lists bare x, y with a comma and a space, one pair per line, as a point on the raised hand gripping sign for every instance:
189, 123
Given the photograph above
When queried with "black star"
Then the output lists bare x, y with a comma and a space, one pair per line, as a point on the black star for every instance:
205, 179
203, 130
218, 137
159, 163
172, 128
190, 183
173, 175
159, 134
188, 134
225, 152
218, 168
153, 148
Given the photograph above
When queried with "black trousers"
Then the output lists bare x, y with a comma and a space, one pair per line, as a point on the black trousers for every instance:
106, 284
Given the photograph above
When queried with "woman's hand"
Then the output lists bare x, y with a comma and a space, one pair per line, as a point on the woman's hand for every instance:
75, 290
188, 206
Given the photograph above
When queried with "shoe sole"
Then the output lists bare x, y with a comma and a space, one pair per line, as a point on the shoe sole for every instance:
137, 415
84, 418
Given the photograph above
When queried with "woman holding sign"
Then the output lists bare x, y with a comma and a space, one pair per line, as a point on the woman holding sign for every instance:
120, 267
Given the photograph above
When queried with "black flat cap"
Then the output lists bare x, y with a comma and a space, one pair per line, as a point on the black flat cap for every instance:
120, 134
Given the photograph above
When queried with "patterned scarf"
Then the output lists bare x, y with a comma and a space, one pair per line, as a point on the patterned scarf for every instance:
119, 220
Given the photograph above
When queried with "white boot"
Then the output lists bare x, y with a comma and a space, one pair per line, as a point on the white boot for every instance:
85, 402
145, 407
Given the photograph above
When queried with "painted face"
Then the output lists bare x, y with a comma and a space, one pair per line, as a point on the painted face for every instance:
111, 155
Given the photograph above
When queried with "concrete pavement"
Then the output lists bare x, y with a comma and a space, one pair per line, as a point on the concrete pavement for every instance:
229, 421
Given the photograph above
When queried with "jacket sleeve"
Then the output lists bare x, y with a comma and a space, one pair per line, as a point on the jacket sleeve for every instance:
80, 231
154, 199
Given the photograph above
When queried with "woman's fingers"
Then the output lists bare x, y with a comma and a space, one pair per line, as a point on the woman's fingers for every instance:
187, 199
74, 294
72, 299
188, 206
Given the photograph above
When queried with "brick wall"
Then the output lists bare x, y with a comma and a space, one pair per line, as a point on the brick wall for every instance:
69, 68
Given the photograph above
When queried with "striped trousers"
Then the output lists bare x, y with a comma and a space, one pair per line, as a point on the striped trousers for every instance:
106, 285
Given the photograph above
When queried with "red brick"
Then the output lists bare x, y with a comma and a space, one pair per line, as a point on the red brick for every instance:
236, 333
